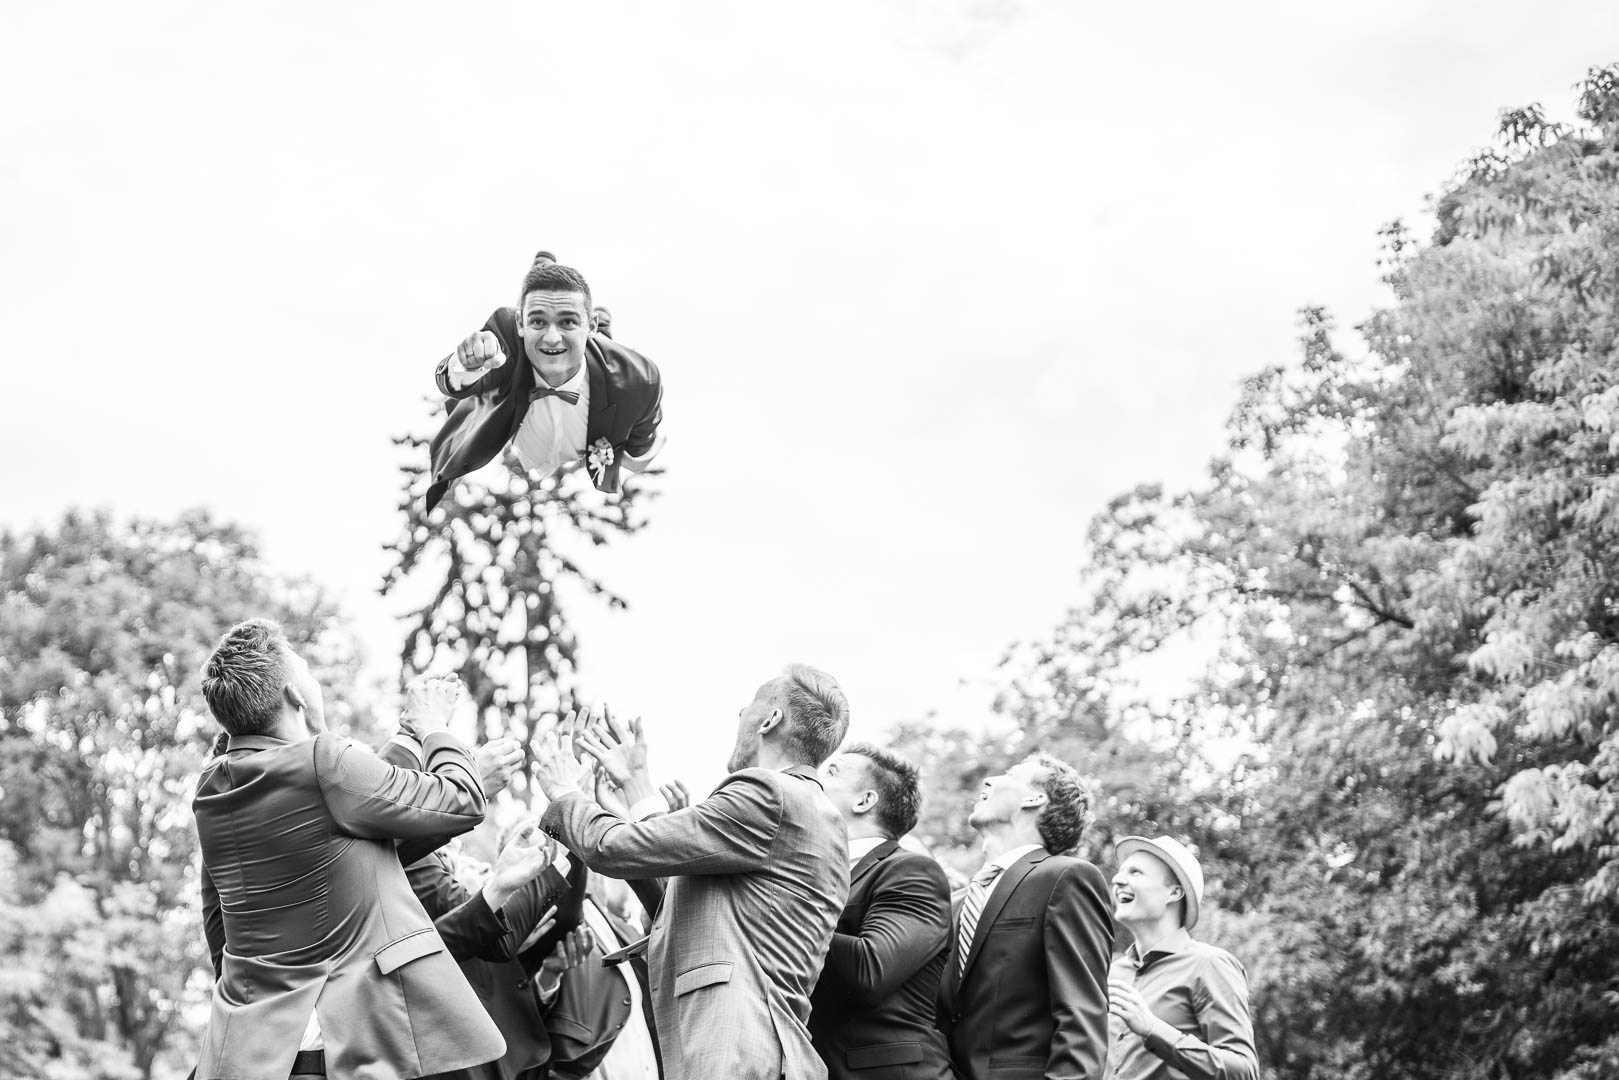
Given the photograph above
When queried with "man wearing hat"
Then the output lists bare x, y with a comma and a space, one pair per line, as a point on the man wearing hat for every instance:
575, 395
1179, 1007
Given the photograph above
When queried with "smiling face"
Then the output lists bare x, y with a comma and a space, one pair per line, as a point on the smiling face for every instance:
1020, 789
1144, 889
554, 327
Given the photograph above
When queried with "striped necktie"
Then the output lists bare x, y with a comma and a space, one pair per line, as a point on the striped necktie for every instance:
972, 906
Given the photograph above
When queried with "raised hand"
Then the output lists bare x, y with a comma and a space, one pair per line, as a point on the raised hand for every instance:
675, 794
571, 951
480, 350
430, 702
524, 858
498, 759
620, 748
556, 770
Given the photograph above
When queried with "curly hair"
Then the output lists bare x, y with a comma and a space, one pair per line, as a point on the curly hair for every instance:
898, 784
544, 276
245, 677
817, 713
1070, 805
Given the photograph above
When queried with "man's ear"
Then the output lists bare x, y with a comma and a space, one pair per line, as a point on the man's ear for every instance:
769, 723
866, 803
294, 699
1035, 799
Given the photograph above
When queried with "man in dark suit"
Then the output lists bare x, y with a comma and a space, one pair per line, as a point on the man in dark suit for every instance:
872, 1013
328, 963
758, 874
536, 378
1024, 993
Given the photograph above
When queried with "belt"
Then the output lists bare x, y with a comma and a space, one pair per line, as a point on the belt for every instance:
309, 1063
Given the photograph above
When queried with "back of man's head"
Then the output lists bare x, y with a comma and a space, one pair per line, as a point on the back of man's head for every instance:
816, 712
1070, 805
545, 276
898, 785
245, 679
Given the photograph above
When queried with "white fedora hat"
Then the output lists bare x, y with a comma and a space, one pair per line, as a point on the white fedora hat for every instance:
1181, 862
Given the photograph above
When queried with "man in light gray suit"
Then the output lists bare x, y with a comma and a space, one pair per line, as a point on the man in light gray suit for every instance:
759, 875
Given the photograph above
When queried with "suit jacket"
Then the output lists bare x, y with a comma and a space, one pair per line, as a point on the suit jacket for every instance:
314, 914
1032, 1002
759, 874
873, 1012
626, 406
503, 985
591, 1007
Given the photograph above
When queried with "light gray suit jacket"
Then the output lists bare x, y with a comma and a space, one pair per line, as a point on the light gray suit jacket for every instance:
760, 874
308, 911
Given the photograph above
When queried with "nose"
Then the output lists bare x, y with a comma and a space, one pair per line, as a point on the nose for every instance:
551, 335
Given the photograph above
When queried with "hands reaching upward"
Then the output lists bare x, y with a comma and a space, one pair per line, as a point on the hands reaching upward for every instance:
616, 772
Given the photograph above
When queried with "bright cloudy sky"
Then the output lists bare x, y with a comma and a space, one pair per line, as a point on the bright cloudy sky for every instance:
929, 280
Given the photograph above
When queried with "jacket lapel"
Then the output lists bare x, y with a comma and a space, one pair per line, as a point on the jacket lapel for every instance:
870, 859
1005, 886
599, 422
522, 385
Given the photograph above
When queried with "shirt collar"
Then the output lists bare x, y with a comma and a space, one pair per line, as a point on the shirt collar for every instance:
1006, 858
576, 382
859, 849
1179, 943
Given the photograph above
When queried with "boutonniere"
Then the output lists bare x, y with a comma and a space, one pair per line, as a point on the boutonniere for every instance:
601, 457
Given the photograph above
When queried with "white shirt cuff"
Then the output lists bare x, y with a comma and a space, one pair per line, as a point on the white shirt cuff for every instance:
645, 808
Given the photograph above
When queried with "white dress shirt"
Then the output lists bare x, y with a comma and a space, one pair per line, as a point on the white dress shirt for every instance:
631, 1056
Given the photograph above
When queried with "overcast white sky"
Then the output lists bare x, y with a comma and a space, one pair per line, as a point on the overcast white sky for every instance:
929, 280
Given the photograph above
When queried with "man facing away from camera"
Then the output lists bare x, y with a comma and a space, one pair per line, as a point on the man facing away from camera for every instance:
1024, 993
328, 964
758, 874
1180, 1007
872, 1013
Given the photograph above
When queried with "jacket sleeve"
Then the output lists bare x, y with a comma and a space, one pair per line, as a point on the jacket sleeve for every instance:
568, 896
213, 921
904, 926
373, 800
1078, 946
730, 832
644, 434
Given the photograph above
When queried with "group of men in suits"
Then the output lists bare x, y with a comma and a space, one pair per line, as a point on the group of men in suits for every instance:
792, 934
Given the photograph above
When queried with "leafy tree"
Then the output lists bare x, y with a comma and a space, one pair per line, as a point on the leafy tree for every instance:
498, 552
1407, 760
104, 626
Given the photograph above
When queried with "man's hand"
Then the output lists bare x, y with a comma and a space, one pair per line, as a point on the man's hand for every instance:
430, 702
621, 751
675, 794
556, 770
480, 350
498, 759
1125, 1002
524, 858
571, 951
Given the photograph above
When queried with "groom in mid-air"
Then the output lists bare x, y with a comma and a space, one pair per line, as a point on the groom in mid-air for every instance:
580, 396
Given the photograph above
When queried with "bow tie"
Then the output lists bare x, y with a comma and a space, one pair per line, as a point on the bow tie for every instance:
570, 396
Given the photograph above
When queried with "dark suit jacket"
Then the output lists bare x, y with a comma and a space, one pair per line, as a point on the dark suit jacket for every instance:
311, 911
872, 1014
1033, 1000
626, 406
504, 987
759, 873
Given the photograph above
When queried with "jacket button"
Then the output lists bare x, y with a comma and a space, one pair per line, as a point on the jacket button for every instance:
522, 984
626, 1001
956, 1019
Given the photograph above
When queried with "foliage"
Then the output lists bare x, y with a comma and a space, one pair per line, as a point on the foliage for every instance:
103, 629
1402, 766
497, 549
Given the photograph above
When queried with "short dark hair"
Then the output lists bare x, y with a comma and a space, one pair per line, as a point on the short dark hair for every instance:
1069, 805
817, 714
553, 277
898, 784
245, 679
